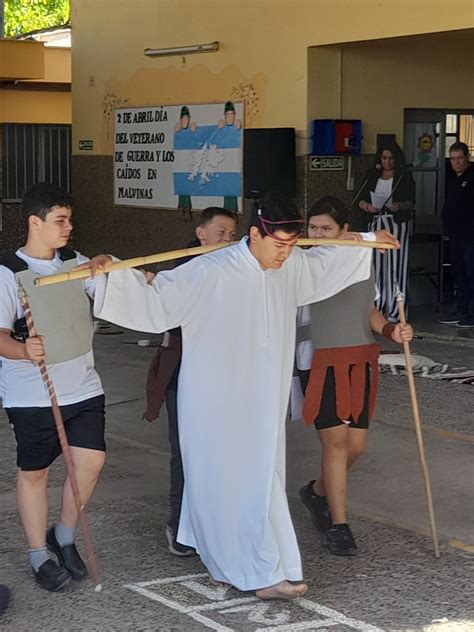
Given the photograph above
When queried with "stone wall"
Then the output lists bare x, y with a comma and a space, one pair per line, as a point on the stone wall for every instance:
13, 234
100, 226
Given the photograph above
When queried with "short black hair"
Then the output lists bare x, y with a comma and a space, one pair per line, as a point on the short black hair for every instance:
459, 146
276, 207
41, 198
332, 206
208, 214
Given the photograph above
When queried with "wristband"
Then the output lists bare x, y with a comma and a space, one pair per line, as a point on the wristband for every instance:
387, 330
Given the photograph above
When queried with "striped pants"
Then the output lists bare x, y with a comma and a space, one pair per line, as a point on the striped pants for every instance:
391, 268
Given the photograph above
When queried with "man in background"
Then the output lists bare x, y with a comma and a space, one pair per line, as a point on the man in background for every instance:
458, 221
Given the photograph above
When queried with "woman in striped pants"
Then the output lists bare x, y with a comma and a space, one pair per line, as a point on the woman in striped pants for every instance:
394, 190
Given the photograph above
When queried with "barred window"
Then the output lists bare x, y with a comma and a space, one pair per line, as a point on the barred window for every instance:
35, 153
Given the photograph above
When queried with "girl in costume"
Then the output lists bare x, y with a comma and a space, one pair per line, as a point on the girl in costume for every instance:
337, 361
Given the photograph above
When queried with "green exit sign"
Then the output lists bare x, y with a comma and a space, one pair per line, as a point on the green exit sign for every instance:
326, 163
86, 145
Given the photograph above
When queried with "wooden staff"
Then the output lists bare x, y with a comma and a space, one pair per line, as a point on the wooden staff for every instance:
58, 420
417, 420
192, 252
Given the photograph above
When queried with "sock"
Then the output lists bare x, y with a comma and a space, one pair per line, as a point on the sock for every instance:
38, 557
64, 535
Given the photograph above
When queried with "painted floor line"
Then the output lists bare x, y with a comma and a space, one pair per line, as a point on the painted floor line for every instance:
459, 544
216, 612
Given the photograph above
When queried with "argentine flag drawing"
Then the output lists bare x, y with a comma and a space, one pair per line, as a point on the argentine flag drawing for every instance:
207, 161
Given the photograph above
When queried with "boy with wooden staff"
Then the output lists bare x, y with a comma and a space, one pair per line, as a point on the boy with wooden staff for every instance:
63, 320
237, 311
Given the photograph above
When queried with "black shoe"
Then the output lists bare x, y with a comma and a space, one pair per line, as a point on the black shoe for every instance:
317, 507
4, 597
51, 577
180, 550
68, 556
451, 319
339, 540
466, 323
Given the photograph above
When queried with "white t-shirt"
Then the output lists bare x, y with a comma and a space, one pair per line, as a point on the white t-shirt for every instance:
21, 384
384, 188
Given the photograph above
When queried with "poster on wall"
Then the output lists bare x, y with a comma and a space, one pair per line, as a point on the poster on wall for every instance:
179, 156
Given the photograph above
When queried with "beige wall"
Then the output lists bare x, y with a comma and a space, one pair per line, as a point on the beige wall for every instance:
57, 64
21, 60
29, 106
42, 65
375, 81
263, 52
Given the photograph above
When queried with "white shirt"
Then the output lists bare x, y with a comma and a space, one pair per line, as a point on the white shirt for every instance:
384, 188
21, 384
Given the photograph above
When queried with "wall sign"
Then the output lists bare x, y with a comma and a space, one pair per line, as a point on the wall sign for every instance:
179, 156
86, 145
326, 163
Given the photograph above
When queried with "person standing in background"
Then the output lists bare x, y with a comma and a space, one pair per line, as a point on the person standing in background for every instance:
458, 222
391, 183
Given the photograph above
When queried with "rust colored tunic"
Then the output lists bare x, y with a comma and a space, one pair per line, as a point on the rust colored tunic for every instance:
342, 339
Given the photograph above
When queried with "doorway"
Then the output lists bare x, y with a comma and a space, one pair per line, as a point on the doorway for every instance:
428, 135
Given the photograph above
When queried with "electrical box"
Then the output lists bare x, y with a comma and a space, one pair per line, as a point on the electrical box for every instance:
336, 136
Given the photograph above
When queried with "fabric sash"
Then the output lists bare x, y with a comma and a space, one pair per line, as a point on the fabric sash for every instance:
349, 365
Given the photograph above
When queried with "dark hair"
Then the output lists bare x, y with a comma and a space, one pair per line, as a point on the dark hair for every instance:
459, 146
332, 206
276, 207
396, 150
41, 198
208, 214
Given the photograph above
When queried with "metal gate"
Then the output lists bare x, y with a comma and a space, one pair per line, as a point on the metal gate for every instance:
34, 153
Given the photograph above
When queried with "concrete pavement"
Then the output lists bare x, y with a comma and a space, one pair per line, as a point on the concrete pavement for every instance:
394, 584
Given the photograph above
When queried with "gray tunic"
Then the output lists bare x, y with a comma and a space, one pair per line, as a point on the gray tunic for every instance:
62, 314
344, 319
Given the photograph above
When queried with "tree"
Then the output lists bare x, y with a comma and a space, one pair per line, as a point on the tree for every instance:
23, 16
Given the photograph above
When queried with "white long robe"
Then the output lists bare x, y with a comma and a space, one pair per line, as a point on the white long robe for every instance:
238, 326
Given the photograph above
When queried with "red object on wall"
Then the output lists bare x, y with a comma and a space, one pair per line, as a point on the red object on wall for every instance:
344, 136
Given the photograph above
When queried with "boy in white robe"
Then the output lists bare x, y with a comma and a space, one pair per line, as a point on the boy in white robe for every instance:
237, 310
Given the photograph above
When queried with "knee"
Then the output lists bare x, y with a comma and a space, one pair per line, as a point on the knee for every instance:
94, 463
336, 445
356, 451
33, 477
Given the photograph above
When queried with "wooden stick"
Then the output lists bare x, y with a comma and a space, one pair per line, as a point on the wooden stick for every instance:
417, 420
58, 420
191, 252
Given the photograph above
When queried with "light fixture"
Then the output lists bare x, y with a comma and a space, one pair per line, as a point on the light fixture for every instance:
182, 50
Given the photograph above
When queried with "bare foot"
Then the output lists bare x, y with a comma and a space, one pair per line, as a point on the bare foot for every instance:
283, 590
215, 584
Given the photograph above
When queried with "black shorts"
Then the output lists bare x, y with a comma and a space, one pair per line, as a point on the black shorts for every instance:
36, 437
327, 417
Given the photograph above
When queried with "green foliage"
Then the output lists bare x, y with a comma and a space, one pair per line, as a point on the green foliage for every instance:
23, 16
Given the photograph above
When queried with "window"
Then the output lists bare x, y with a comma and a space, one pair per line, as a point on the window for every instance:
35, 153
